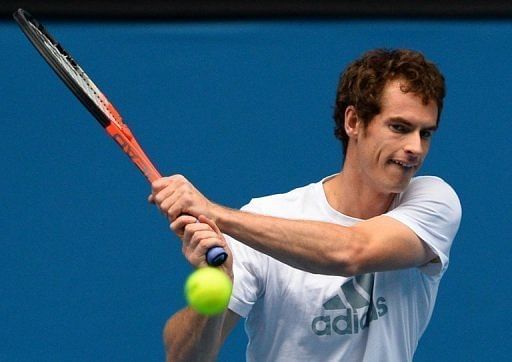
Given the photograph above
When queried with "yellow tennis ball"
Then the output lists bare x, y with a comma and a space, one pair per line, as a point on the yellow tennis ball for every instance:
208, 290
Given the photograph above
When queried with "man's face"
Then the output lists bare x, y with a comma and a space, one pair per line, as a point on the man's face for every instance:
395, 143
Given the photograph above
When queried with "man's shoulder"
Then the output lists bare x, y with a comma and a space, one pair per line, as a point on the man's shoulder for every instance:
430, 184
431, 192
427, 180
276, 203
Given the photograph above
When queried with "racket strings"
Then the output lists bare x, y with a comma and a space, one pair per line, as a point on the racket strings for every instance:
75, 71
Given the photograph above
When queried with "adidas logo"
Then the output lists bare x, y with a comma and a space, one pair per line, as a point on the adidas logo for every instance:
352, 310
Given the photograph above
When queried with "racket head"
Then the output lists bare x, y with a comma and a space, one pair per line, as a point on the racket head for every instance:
68, 70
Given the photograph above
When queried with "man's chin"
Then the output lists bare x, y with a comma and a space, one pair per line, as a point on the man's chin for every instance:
398, 186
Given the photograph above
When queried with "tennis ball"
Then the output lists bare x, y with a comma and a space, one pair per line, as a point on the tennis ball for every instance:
208, 290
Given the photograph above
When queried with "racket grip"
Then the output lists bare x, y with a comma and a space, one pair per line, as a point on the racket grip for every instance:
216, 256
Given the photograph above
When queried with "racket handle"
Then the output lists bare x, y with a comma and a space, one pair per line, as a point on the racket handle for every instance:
216, 256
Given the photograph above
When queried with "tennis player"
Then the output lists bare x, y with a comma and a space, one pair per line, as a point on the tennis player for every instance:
343, 269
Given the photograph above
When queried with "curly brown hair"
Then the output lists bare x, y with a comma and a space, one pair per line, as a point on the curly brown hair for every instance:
362, 83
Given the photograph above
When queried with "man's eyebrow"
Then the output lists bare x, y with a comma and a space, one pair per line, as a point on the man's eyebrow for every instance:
409, 123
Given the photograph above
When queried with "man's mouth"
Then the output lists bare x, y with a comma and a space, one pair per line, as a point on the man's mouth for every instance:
405, 164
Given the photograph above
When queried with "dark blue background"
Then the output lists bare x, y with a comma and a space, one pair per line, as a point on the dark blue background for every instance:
90, 271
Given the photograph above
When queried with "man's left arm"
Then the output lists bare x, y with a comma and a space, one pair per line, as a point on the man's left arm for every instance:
380, 243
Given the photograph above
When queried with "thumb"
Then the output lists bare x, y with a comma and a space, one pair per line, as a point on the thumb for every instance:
211, 223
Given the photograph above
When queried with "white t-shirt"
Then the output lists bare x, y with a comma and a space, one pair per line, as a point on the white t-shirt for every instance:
292, 315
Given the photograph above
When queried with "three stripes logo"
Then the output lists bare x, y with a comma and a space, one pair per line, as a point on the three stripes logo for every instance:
352, 310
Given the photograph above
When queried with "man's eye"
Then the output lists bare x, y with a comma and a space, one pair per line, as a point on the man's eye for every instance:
426, 134
398, 128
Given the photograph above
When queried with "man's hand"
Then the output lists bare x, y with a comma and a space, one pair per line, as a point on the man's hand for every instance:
191, 216
198, 236
175, 196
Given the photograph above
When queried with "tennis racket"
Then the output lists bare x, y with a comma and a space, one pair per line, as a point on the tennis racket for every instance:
95, 101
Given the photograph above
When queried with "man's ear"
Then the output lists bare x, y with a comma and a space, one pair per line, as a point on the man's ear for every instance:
351, 122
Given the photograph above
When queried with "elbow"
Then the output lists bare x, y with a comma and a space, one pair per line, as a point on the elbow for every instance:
348, 265
167, 340
170, 341
349, 260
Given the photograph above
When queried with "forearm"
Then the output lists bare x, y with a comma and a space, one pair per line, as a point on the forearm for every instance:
313, 246
189, 336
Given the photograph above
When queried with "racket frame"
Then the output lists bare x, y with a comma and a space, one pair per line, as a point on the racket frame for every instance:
109, 118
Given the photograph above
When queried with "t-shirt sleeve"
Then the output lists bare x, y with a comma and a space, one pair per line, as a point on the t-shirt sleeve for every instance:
249, 270
431, 208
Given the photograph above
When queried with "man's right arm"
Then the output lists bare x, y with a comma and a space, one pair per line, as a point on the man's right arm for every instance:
189, 336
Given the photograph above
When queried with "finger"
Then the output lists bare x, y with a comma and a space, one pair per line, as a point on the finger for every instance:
199, 252
162, 182
178, 226
170, 206
181, 222
159, 184
198, 237
175, 203
157, 187
194, 228
164, 194
191, 243
178, 178
174, 212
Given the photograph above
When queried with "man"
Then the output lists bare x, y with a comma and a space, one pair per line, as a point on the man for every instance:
347, 268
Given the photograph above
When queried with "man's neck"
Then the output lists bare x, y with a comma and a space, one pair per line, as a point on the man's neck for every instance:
349, 194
